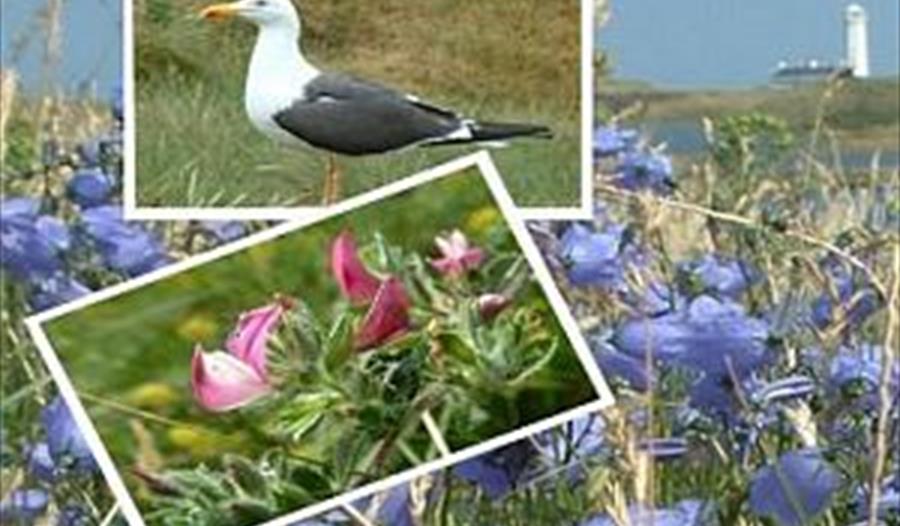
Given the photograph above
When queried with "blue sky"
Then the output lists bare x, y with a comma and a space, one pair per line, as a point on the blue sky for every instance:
736, 43
92, 43
677, 43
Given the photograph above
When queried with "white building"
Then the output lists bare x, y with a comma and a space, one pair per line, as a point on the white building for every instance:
856, 43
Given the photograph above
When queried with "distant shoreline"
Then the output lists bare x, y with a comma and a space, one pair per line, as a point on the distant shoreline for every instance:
862, 114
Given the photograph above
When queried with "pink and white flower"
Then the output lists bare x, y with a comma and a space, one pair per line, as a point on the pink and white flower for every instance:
223, 381
457, 256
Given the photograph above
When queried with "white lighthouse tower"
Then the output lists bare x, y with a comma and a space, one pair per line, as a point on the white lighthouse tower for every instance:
856, 36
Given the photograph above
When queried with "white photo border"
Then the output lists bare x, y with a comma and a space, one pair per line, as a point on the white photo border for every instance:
134, 212
483, 162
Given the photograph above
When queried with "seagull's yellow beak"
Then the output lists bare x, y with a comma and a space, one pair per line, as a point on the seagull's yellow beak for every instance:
220, 11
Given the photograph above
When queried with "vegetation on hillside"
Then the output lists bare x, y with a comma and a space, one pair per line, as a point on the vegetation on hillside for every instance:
859, 111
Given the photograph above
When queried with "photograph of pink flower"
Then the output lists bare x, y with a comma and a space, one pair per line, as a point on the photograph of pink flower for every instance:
320, 360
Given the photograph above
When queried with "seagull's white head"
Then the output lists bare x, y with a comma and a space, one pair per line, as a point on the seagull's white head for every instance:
263, 13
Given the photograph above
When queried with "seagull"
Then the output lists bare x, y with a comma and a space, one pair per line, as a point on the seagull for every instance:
291, 101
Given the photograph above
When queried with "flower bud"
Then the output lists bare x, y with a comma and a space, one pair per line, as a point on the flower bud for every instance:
387, 318
356, 283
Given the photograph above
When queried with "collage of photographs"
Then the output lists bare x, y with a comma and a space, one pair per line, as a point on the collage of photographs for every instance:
433, 263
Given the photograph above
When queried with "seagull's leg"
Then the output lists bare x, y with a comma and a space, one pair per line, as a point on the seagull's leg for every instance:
332, 190
327, 190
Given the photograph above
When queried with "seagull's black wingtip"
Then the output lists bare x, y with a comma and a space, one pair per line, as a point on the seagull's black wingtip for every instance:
499, 131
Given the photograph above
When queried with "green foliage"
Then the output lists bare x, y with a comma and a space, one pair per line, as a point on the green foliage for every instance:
243, 492
863, 113
21, 145
745, 146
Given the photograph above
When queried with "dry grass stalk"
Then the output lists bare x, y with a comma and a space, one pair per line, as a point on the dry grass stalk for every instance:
7, 98
889, 350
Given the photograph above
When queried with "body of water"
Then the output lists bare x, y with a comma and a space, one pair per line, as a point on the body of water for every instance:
685, 138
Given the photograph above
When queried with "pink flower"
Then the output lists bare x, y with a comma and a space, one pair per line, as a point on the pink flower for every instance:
387, 318
356, 283
490, 305
223, 381
388, 314
458, 257
249, 341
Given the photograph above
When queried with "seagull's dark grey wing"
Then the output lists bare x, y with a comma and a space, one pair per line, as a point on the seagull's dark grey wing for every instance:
346, 115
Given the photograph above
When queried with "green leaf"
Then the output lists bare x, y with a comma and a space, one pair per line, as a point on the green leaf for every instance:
389, 258
307, 328
455, 348
339, 344
303, 412
289, 496
246, 475
309, 478
199, 484
248, 511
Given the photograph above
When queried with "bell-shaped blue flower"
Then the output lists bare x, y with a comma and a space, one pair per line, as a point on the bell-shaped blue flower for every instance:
125, 247
65, 442
56, 290
90, 187
23, 506
853, 304
721, 276
497, 472
594, 258
655, 299
571, 444
685, 513
623, 368
224, 231
612, 140
31, 245
74, 515
645, 171
711, 336
857, 369
396, 507
40, 463
795, 489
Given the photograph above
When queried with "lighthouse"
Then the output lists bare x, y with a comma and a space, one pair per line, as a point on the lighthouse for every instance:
856, 42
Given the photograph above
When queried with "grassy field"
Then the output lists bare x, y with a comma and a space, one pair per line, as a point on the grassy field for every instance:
861, 113
196, 147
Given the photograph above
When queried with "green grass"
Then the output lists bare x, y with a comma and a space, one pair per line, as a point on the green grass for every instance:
196, 147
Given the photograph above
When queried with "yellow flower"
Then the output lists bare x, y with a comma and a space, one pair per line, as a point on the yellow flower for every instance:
152, 395
196, 441
197, 328
482, 220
